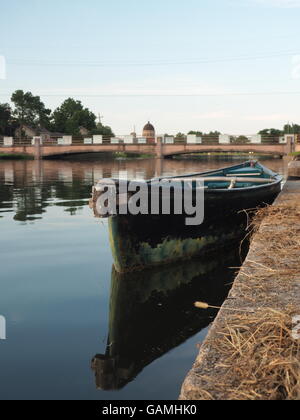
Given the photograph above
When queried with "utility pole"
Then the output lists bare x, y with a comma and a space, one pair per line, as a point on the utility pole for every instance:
100, 118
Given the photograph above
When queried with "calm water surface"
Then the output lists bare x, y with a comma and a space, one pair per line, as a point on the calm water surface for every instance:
75, 329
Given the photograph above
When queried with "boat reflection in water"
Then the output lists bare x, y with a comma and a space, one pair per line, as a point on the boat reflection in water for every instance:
152, 312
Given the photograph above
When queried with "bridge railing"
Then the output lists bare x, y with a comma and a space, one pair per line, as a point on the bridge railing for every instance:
81, 140
10, 141
22, 141
224, 140
186, 140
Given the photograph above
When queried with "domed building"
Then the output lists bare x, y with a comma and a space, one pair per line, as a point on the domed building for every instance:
149, 131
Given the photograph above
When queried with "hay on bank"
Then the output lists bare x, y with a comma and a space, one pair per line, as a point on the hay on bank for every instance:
255, 356
260, 358
279, 236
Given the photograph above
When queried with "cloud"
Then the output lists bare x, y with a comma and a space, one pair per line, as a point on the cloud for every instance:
212, 115
269, 117
161, 86
288, 4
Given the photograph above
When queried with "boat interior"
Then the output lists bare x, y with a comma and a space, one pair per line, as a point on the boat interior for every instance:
247, 175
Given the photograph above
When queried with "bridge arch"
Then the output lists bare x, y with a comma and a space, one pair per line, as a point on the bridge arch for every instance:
261, 149
159, 149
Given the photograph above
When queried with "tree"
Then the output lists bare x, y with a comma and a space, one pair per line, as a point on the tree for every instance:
5, 119
71, 115
291, 129
211, 137
30, 110
180, 135
103, 130
198, 133
273, 132
213, 134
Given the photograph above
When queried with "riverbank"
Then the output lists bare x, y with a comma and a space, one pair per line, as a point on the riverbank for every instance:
253, 350
15, 156
225, 155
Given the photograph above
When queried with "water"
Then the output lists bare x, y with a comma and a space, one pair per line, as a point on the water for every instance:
69, 336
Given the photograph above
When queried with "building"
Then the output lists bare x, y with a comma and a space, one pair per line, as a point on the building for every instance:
133, 134
149, 131
83, 131
28, 132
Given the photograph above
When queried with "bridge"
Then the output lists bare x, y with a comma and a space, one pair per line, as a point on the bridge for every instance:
261, 149
157, 148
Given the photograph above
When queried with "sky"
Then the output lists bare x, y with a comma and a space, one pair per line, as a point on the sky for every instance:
226, 65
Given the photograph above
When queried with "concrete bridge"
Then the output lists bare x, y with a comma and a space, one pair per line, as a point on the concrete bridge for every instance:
271, 149
158, 148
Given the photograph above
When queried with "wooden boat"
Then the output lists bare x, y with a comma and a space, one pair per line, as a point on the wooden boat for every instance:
151, 315
141, 241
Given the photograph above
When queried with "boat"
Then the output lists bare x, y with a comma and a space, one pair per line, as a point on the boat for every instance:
151, 315
145, 240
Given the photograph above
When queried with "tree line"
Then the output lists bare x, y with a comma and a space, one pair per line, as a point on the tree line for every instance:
271, 132
267, 132
68, 118
71, 116
287, 129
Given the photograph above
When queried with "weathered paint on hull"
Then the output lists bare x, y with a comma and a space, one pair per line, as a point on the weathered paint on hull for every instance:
130, 254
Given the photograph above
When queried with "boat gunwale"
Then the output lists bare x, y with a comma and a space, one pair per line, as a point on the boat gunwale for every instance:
248, 163
252, 188
278, 179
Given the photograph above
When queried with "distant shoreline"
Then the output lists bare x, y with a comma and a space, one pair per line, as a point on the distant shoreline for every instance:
129, 156
15, 156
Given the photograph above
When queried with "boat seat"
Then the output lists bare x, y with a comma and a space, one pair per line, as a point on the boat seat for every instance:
245, 172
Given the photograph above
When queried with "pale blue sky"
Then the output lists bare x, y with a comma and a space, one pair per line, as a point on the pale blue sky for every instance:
236, 55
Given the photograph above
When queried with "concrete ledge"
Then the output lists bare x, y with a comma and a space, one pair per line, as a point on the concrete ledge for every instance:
267, 284
294, 169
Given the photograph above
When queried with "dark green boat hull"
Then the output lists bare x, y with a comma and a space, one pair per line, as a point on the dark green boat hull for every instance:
138, 242
144, 241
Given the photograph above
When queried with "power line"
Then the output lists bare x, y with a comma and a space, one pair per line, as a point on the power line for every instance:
142, 95
35, 62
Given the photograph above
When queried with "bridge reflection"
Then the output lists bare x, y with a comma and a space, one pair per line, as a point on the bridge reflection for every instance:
28, 188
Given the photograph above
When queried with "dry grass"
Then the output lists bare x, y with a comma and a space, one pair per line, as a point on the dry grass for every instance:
260, 359
254, 356
277, 253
